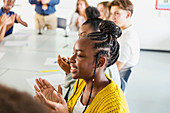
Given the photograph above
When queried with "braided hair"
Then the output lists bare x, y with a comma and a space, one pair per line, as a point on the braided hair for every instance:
106, 38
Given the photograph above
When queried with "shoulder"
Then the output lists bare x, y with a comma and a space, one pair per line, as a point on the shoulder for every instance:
110, 99
1, 11
130, 33
75, 14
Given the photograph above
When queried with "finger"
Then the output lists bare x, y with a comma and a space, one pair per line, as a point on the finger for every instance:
36, 88
42, 83
59, 59
38, 96
59, 89
39, 84
48, 84
63, 58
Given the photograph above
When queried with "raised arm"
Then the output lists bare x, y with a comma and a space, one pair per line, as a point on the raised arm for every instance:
19, 20
2, 32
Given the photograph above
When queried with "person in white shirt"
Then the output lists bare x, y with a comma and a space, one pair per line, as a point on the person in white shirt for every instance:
79, 16
120, 13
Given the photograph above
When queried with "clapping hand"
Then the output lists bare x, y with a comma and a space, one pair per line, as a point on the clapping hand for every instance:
54, 107
64, 64
45, 1
3, 19
46, 89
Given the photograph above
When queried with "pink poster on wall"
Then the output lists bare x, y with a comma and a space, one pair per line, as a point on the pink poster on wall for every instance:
162, 4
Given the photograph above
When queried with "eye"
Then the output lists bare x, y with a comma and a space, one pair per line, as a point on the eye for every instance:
79, 55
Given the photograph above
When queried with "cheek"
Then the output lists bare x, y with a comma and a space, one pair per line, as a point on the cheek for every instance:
86, 68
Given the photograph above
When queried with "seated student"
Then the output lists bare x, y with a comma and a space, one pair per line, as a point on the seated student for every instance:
120, 13
91, 25
93, 91
13, 101
4, 21
79, 16
8, 5
103, 9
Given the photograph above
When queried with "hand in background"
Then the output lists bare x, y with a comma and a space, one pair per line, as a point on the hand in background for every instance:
80, 20
3, 19
54, 107
46, 89
45, 1
10, 22
64, 64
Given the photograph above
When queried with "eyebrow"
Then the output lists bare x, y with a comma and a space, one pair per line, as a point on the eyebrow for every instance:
79, 50
83, 32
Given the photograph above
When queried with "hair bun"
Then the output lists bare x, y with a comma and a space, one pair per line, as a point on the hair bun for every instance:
109, 27
92, 12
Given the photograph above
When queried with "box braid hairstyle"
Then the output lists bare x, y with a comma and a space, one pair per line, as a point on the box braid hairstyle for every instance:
106, 38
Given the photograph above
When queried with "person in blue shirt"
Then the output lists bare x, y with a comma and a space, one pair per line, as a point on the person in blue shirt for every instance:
7, 6
45, 13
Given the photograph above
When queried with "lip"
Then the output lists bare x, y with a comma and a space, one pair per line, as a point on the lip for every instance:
73, 70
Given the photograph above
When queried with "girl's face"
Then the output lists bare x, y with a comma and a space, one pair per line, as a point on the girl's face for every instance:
8, 4
83, 60
84, 30
81, 6
100, 8
118, 16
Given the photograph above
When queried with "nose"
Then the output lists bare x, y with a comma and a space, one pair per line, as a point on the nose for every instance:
72, 59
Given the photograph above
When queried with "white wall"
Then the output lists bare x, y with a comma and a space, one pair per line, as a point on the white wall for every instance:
153, 26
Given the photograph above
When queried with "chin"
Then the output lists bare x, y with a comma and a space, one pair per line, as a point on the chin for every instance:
74, 76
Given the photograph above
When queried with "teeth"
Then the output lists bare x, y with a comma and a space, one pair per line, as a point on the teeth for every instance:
73, 68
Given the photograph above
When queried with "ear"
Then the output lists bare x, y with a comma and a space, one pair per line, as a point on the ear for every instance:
101, 62
128, 14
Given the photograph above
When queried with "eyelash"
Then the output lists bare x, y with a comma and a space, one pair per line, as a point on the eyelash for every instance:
78, 55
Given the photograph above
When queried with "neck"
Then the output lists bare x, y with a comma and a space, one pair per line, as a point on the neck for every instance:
127, 24
6, 10
100, 81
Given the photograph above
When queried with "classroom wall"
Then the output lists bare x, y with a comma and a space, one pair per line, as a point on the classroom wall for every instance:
152, 25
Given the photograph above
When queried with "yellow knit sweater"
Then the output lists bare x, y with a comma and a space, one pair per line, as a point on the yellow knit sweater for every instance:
109, 100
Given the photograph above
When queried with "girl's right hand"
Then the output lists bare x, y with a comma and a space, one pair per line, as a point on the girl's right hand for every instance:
64, 64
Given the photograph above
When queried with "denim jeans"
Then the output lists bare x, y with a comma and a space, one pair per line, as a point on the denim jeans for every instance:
124, 76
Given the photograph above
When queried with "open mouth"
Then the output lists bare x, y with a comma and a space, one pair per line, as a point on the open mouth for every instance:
73, 70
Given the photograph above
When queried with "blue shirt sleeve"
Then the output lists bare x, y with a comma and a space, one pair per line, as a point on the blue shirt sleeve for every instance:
1, 12
34, 2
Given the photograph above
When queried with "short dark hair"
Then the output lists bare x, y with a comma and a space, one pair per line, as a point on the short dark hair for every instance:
13, 101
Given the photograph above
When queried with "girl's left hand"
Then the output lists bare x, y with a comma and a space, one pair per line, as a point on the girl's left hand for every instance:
54, 107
